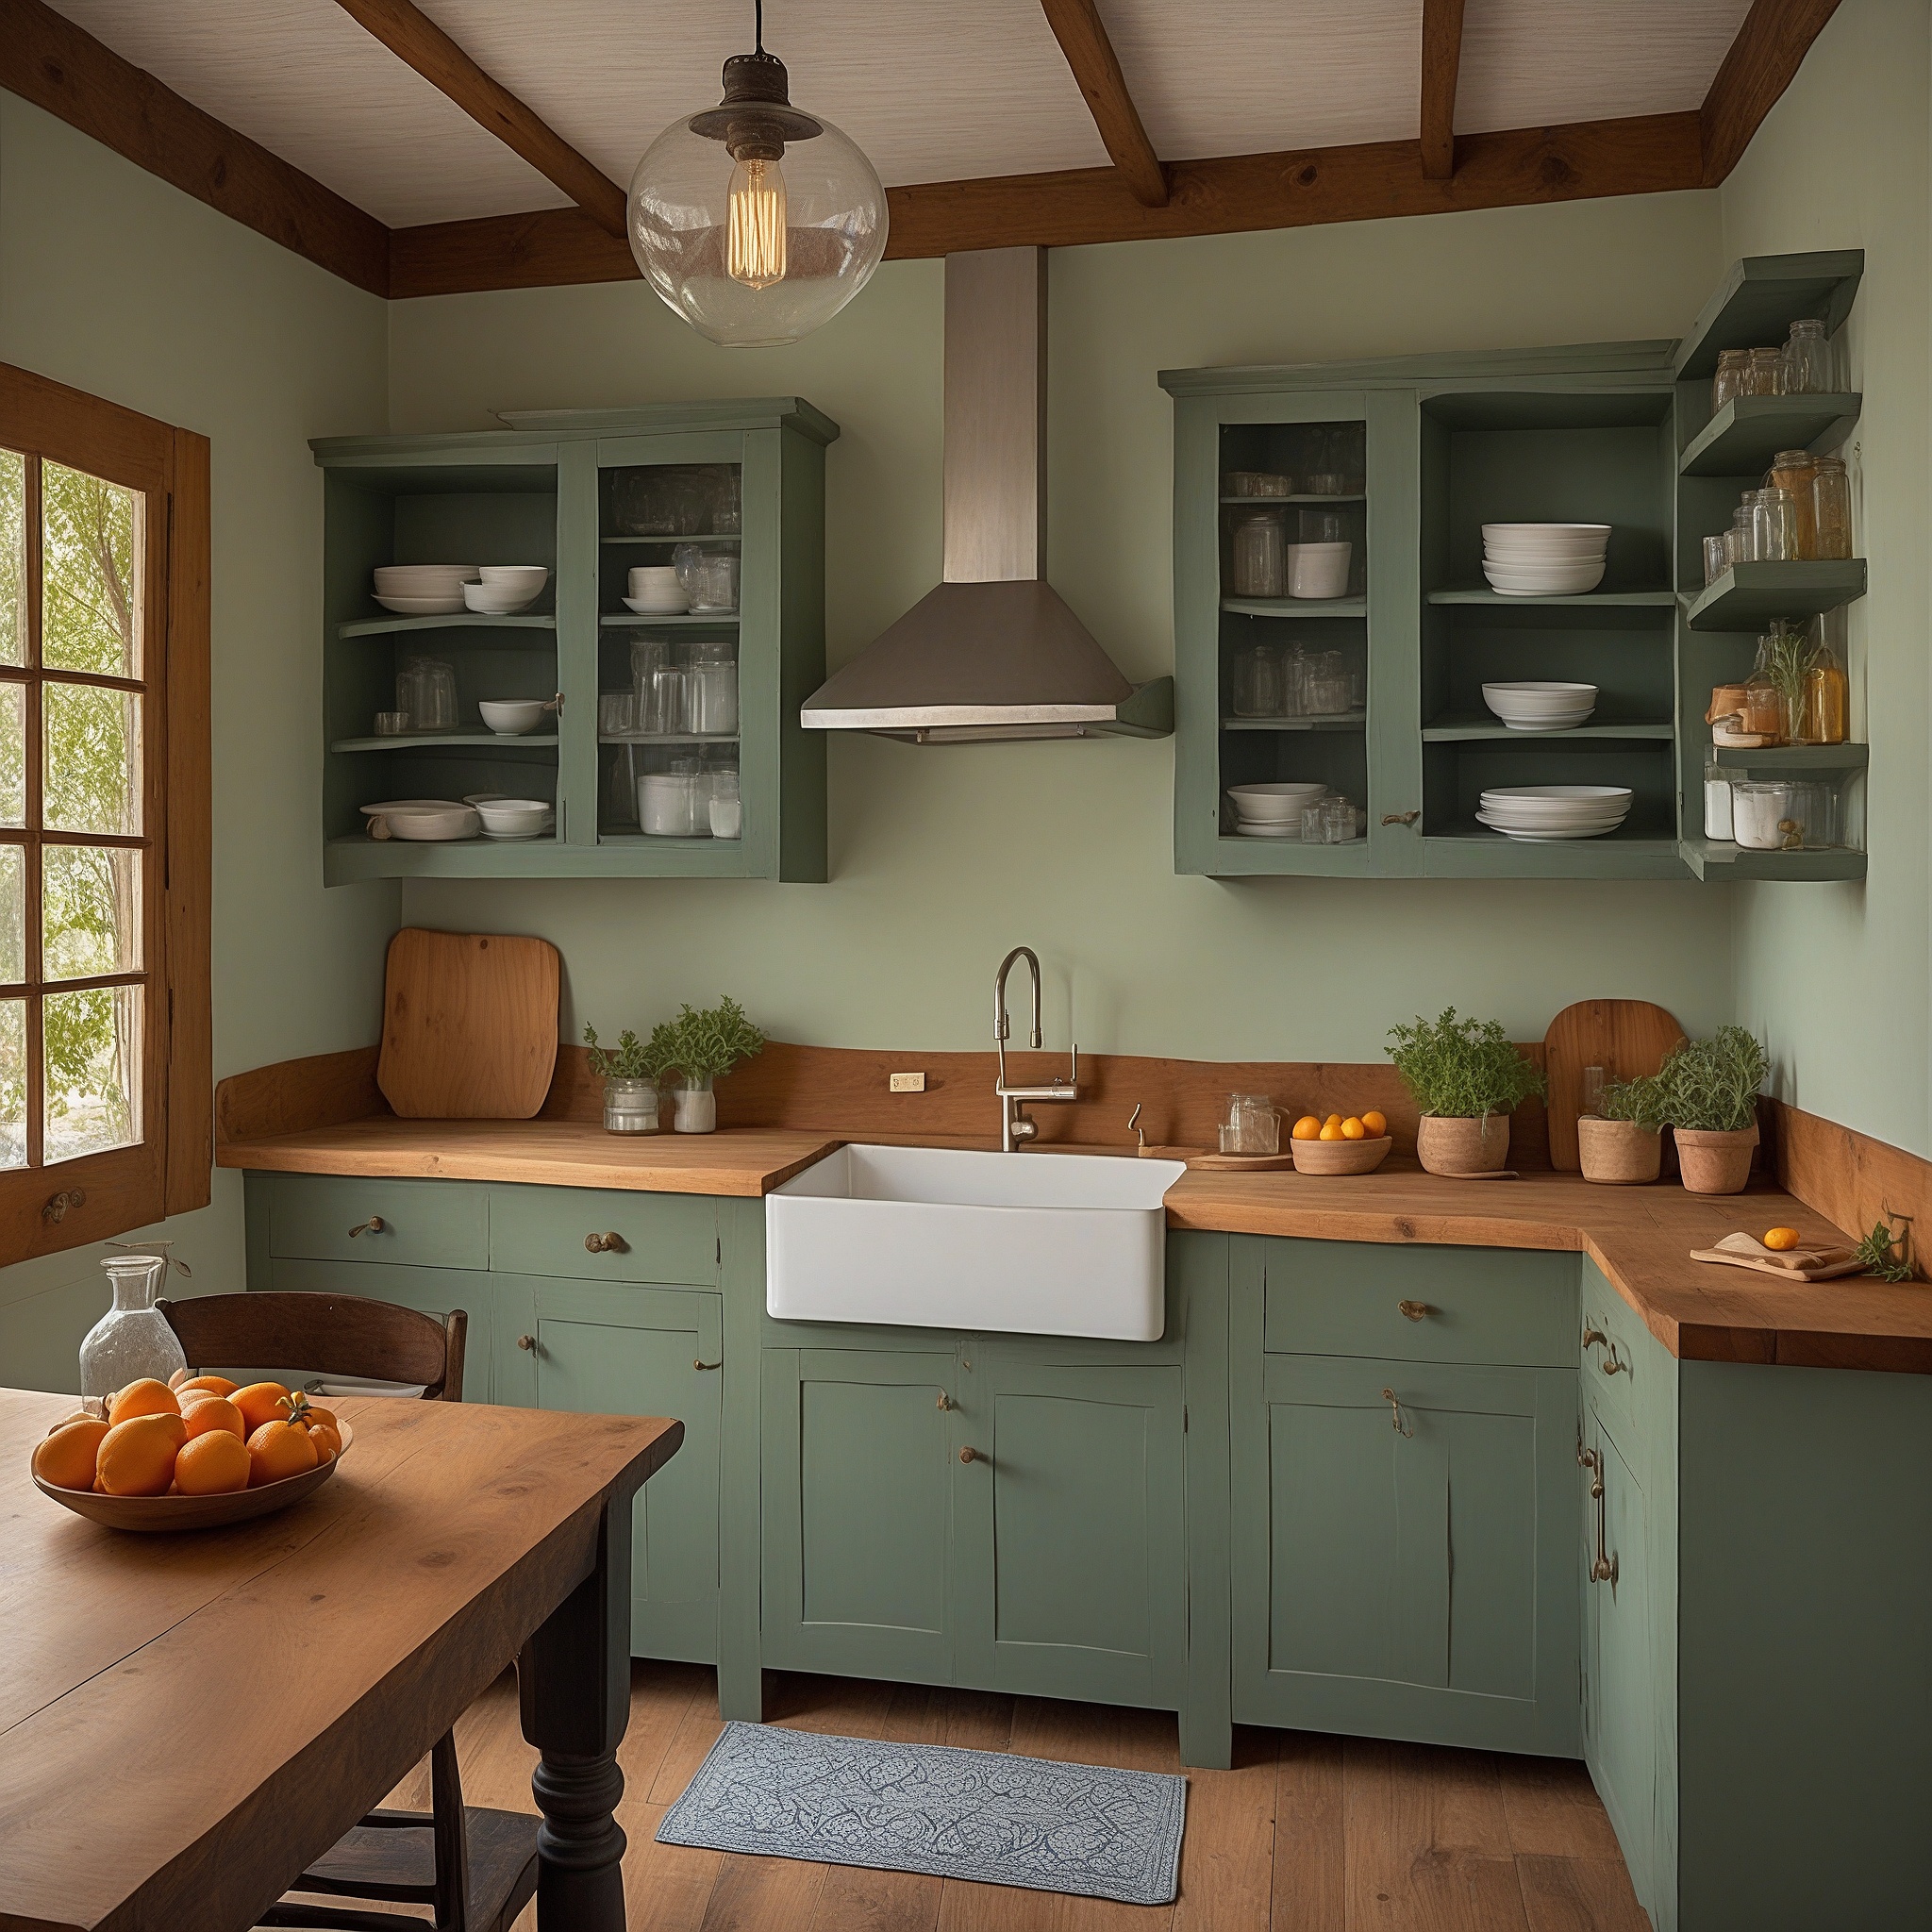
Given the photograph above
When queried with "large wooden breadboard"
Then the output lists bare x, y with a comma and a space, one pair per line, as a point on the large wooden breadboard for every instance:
1625, 1038
469, 1025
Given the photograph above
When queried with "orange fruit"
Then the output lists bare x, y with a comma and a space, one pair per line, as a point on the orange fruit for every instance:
1305, 1128
277, 1450
1331, 1132
79, 1415
213, 1412
327, 1440
1781, 1239
213, 1463
67, 1457
210, 1385
261, 1401
1334, 1120
145, 1397
1352, 1129
136, 1457
1375, 1125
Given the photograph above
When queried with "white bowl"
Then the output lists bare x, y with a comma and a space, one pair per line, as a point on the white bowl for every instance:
510, 717
1526, 553
526, 578
658, 605
1548, 533
422, 607
645, 577
425, 820
513, 817
490, 600
1575, 585
1275, 804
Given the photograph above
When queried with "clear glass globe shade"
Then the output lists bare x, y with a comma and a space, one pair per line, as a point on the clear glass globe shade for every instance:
826, 200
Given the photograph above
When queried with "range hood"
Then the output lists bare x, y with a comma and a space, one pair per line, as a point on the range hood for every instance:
994, 653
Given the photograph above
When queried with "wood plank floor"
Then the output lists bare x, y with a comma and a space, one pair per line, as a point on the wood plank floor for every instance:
1306, 1834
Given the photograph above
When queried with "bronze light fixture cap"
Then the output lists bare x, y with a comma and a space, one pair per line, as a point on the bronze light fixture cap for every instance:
756, 118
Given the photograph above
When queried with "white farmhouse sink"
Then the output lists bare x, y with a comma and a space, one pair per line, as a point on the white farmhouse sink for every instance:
930, 1237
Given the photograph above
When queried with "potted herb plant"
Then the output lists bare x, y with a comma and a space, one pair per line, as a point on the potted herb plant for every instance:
1621, 1144
1466, 1076
630, 1081
1710, 1100
702, 1045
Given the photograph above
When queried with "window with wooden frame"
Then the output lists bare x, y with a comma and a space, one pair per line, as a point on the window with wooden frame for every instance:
106, 1071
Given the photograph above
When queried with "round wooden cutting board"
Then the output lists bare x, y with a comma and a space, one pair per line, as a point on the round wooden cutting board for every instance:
1625, 1038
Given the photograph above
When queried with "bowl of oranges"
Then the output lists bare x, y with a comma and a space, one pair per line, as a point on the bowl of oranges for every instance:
191, 1455
1343, 1144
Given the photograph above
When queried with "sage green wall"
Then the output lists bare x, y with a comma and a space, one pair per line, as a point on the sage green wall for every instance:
1837, 977
943, 858
120, 285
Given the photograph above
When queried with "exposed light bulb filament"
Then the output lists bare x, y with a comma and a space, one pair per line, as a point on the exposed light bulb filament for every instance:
757, 238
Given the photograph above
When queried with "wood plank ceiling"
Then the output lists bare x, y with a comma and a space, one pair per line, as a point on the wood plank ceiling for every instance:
426, 146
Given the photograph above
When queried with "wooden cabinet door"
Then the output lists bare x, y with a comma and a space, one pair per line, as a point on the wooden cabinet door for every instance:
1404, 1539
856, 1458
1619, 1687
636, 1351
1071, 1537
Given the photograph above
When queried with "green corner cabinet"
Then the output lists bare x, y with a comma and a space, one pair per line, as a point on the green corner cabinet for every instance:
1455, 1495
1376, 690
590, 495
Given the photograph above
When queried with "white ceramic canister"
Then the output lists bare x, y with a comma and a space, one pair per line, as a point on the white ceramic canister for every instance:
1317, 570
1718, 816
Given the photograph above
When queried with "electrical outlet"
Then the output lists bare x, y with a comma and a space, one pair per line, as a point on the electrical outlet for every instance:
908, 1083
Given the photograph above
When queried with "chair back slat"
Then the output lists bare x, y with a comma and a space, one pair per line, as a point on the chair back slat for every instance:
328, 1334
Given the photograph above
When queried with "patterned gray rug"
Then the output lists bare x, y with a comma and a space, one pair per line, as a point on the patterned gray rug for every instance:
984, 1815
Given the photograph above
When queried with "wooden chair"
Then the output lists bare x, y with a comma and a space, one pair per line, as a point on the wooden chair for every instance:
476, 1867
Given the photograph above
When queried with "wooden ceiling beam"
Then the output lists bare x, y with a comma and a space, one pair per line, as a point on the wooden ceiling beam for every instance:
48, 60
1762, 60
1078, 26
1442, 57
1647, 155
413, 36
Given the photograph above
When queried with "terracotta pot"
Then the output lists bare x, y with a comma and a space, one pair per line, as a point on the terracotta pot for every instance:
1618, 1154
1715, 1163
1445, 1145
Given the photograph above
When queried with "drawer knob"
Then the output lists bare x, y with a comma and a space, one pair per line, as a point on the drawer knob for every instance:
1593, 1338
527, 1343
374, 1225
970, 1455
717, 1364
1614, 1365
1415, 1312
606, 1244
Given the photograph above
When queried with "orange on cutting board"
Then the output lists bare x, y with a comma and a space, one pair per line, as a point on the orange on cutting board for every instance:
279, 1449
206, 1385
213, 1412
261, 1401
213, 1464
136, 1457
1781, 1239
145, 1397
1375, 1124
67, 1457
1307, 1128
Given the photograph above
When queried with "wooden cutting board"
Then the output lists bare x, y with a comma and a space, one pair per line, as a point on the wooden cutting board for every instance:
1625, 1038
469, 1025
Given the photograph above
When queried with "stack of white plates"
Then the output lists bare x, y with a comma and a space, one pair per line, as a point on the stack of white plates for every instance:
1541, 813
1544, 559
1274, 811
1533, 706
430, 821
423, 589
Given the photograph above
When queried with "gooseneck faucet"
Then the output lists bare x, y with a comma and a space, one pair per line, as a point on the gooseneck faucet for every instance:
1016, 1127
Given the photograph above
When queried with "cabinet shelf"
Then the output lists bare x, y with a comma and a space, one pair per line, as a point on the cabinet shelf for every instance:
1335, 721
1718, 859
723, 537
1457, 727
439, 740
1472, 851
455, 619
1269, 502
1586, 600
1743, 436
667, 737
1296, 607
707, 620
1761, 297
1792, 757
1749, 596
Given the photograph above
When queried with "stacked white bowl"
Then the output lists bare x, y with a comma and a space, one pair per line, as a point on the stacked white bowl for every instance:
1542, 812
506, 588
1274, 811
1544, 559
423, 589
1529, 705
656, 592
512, 819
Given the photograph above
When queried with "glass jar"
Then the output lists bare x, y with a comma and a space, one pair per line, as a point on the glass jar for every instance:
1718, 822
711, 695
1792, 470
1761, 809
1767, 377
1740, 540
630, 1106
725, 802
668, 799
1733, 372
697, 1105
1260, 557
1831, 508
1257, 689
426, 690
1827, 693
133, 1338
1781, 510
1716, 558
1808, 359
1783, 654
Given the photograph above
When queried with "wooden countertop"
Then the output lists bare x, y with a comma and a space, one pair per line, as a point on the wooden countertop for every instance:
1640, 1237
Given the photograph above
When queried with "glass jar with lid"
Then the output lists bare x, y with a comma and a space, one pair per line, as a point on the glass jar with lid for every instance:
1257, 684
1768, 372
1831, 508
1793, 469
1718, 822
1733, 373
1260, 564
1808, 359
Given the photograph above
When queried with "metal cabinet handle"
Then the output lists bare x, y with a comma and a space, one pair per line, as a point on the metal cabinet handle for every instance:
970, 1455
1603, 1568
1614, 1364
1415, 1312
717, 1364
1593, 1338
1400, 818
374, 1225
1395, 1420
946, 1401
606, 1244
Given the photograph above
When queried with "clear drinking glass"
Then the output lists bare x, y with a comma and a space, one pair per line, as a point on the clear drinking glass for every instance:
1259, 562
1716, 558
1733, 372
132, 1340
661, 703
1808, 359
1768, 376
1780, 509
1258, 687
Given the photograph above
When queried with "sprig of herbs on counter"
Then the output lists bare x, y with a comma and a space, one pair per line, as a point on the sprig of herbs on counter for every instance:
1462, 1069
1886, 1255
1710, 1086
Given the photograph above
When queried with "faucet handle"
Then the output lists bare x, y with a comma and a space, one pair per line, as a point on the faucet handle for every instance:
1073, 1078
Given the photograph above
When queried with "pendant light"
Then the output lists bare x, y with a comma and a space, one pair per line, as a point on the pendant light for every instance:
753, 220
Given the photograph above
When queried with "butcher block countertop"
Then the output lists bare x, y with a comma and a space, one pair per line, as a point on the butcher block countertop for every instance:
1639, 1237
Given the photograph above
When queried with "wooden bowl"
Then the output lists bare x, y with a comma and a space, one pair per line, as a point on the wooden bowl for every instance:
1340, 1156
196, 1512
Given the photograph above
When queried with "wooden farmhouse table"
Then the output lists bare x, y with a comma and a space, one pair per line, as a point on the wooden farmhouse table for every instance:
186, 1720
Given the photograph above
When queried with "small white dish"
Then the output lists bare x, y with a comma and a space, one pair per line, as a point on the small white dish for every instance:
1250, 829
659, 606
513, 716
487, 600
526, 579
422, 607
409, 577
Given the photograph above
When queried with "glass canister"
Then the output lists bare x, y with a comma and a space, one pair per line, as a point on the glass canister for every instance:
724, 798
1792, 470
668, 798
1740, 540
1259, 563
712, 689
1717, 802
1733, 372
1768, 376
1808, 359
132, 1340
1831, 508
1258, 687
630, 1106
1760, 809
1827, 693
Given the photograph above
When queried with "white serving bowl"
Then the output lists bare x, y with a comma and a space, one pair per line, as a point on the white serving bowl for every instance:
1275, 804
526, 579
646, 577
488, 600
510, 717
1571, 584
425, 820
1527, 553
1528, 706
422, 607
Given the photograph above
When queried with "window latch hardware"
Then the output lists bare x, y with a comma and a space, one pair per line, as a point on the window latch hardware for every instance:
58, 1205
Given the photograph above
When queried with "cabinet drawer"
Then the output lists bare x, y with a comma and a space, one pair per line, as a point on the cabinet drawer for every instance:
1626, 1350
660, 1238
1466, 1305
425, 1224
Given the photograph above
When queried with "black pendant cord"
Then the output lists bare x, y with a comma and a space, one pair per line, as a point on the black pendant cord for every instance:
759, 19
